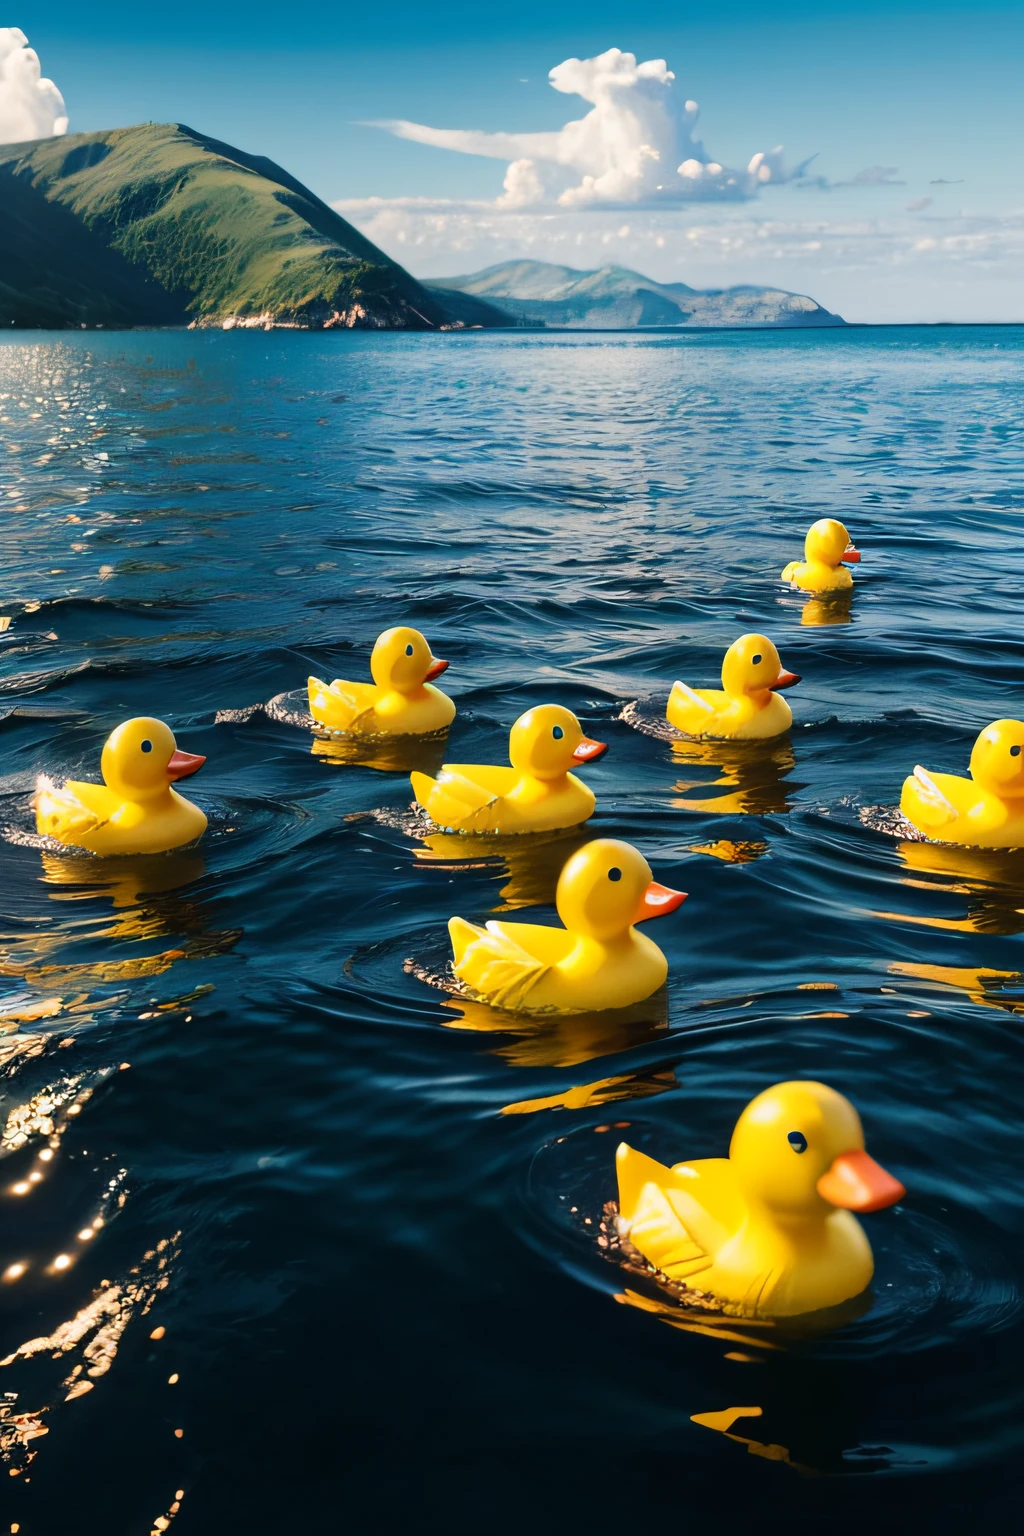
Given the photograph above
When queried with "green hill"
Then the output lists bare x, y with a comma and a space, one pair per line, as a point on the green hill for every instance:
541, 293
159, 225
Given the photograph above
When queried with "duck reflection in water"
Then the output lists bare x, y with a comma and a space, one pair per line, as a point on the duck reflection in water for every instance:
142, 891
644, 1084
565, 1040
815, 1428
532, 861
387, 754
820, 612
820, 1427
991, 880
750, 777
126, 880
987, 988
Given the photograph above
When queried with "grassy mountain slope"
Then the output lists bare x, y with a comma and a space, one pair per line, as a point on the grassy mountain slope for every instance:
158, 225
541, 293
54, 270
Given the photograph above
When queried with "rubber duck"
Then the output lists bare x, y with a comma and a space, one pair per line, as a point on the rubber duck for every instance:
401, 700
134, 810
828, 549
767, 1231
537, 794
984, 811
596, 961
747, 706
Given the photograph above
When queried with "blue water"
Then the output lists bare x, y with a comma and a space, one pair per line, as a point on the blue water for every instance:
348, 1202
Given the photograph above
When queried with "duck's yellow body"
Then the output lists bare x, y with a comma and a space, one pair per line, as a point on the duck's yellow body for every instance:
134, 810
767, 1231
401, 700
984, 811
748, 706
827, 550
536, 794
597, 961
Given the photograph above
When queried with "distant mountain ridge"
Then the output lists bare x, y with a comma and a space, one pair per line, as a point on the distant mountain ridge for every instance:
541, 293
160, 225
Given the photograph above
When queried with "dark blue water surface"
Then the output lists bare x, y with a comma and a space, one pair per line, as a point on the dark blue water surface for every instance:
320, 1262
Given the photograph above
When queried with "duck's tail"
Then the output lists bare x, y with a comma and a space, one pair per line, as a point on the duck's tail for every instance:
497, 969
462, 935
317, 689
635, 1171
60, 813
924, 803
422, 787
688, 710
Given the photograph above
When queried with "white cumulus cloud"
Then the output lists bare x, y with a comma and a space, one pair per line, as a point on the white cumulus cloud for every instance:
31, 107
636, 147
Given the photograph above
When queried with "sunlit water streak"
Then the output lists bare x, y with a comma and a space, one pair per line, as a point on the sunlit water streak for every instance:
347, 1199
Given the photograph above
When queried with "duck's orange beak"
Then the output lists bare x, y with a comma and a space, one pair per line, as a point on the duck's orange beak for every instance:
183, 763
855, 1182
588, 750
851, 556
435, 669
658, 901
785, 680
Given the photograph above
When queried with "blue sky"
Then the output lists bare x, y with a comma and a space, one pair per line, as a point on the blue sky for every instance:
930, 92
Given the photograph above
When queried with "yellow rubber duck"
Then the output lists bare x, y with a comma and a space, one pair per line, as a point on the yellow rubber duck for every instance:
134, 810
401, 700
768, 1230
747, 706
984, 811
537, 794
828, 549
597, 961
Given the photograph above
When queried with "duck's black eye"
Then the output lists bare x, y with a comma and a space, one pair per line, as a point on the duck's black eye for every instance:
408, 650
147, 746
797, 1140
615, 874
756, 660
558, 733
1015, 751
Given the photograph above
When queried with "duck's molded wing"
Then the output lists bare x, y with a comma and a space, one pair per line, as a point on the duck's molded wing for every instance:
489, 780
340, 704
925, 802
691, 709
792, 570
463, 794
97, 798
62, 811
714, 1204
678, 1217
493, 964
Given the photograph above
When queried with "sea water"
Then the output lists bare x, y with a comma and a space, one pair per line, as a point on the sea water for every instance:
290, 1237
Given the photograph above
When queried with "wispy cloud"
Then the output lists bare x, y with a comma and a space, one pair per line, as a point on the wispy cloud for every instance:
635, 148
873, 176
30, 106
442, 237
918, 204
